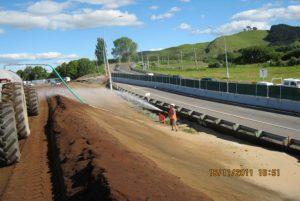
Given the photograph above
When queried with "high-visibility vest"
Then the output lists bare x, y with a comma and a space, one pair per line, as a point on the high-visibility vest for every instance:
172, 114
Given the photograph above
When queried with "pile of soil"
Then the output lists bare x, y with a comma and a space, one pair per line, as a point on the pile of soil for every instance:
96, 166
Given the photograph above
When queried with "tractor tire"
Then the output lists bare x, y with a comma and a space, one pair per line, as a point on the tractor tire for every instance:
13, 93
9, 145
32, 101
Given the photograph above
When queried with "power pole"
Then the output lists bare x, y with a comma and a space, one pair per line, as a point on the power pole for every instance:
181, 59
158, 63
148, 63
195, 55
142, 61
107, 66
227, 66
168, 60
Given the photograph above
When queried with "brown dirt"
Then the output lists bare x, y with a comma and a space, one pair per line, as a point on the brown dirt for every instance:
97, 167
191, 156
30, 179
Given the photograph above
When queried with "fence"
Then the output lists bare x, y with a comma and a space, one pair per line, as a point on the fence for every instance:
278, 92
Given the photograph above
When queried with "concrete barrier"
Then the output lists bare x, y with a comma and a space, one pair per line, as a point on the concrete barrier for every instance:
269, 103
220, 124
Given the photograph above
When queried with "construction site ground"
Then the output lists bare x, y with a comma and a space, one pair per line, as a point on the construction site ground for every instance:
108, 149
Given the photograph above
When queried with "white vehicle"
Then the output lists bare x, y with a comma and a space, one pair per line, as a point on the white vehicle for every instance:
17, 101
67, 79
291, 82
150, 74
265, 83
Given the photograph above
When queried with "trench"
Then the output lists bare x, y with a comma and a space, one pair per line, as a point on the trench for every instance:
94, 188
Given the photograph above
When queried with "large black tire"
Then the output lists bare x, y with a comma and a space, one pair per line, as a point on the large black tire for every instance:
32, 101
9, 145
14, 93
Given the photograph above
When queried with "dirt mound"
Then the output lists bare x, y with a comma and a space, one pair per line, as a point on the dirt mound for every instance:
95, 166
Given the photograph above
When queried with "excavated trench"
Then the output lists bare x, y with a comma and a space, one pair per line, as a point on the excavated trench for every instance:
90, 183
88, 163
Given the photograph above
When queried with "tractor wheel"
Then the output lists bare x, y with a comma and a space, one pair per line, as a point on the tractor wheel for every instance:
32, 100
14, 93
9, 145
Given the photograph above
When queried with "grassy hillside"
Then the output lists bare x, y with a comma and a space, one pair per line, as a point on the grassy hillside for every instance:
211, 49
237, 41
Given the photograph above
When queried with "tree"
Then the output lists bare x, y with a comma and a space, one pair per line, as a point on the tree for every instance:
258, 54
99, 51
33, 73
124, 48
76, 68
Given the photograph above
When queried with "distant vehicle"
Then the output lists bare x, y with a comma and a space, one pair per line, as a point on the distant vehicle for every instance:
150, 74
67, 79
265, 83
291, 82
208, 79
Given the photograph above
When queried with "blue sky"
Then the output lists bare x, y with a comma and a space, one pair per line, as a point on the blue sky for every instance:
61, 30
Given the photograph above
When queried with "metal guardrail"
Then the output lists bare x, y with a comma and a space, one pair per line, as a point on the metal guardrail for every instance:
220, 124
277, 92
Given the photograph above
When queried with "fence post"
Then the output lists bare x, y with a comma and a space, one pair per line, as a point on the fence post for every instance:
236, 88
219, 86
267, 91
200, 84
280, 93
256, 90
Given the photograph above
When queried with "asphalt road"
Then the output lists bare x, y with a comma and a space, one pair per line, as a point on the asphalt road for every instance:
280, 124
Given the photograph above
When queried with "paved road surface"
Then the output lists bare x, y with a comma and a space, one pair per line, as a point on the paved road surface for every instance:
279, 124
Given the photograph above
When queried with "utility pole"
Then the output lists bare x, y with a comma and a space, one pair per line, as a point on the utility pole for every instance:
107, 66
142, 61
148, 63
227, 66
158, 63
181, 59
168, 60
195, 55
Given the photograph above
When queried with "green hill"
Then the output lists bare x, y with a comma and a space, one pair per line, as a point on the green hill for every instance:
211, 49
236, 42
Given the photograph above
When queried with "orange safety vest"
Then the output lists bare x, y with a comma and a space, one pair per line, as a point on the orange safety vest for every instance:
172, 114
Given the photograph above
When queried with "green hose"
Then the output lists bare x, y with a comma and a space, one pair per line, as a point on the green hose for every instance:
68, 87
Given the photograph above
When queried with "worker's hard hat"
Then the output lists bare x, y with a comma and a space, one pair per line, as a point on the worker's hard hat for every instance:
172, 104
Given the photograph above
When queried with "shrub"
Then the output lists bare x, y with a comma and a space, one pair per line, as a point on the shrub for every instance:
215, 65
258, 54
294, 53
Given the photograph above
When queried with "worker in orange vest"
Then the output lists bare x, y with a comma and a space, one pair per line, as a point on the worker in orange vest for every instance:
173, 117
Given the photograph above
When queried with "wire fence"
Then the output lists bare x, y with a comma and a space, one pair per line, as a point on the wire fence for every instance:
279, 92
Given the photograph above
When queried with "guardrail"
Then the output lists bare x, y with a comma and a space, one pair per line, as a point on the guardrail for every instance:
277, 92
223, 125
247, 100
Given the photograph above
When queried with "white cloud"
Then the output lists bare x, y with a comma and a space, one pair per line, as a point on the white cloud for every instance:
260, 18
236, 26
185, 26
33, 57
111, 4
204, 31
82, 19
193, 30
155, 49
153, 7
46, 7
166, 15
269, 13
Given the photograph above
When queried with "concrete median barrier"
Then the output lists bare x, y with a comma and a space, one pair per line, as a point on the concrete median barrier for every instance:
229, 127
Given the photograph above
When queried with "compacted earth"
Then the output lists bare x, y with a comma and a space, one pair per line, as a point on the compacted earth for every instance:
108, 150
